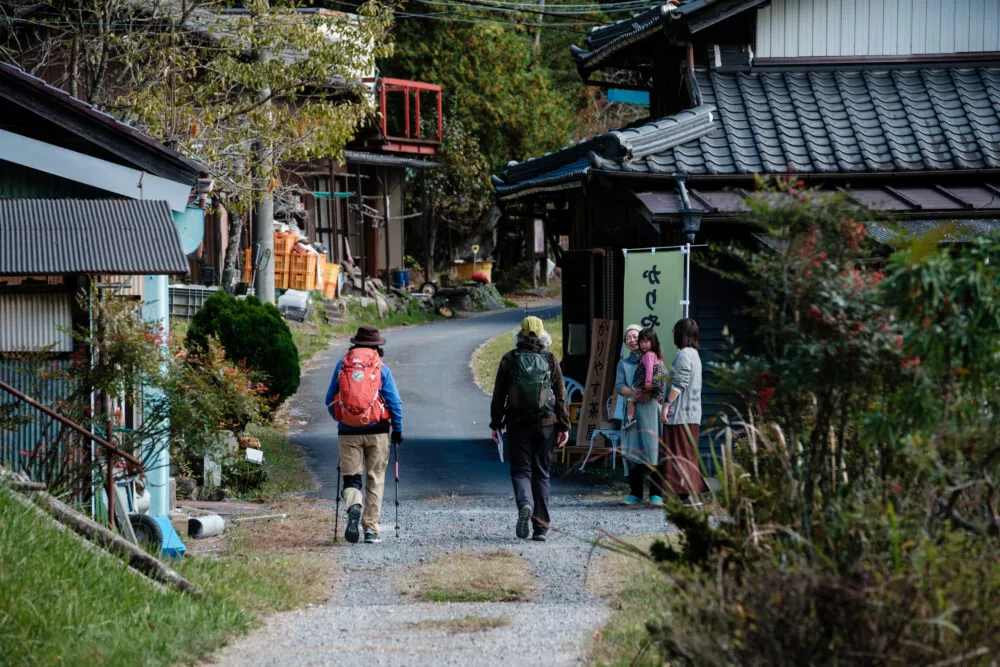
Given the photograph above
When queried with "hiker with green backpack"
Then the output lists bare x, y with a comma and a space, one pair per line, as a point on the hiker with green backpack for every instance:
529, 400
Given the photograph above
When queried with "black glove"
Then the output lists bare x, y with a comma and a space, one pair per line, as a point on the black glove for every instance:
396, 437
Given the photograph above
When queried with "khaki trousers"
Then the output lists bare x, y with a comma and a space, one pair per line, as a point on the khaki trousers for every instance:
359, 454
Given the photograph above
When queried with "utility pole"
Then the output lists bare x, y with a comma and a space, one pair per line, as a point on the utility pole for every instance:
263, 229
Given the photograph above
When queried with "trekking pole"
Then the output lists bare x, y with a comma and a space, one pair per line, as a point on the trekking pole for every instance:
396, 456
336, 516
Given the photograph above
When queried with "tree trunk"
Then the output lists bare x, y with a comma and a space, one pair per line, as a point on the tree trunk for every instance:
230, 274
74, 66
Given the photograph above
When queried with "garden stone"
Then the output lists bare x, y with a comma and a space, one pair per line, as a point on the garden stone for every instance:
185, 487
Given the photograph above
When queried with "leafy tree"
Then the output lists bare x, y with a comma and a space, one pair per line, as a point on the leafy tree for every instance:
491, 83
253, 333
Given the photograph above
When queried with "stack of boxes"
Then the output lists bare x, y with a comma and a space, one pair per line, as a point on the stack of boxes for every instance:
296, 266
283, 244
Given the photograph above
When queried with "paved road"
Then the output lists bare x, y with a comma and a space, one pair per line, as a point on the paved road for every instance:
447, 446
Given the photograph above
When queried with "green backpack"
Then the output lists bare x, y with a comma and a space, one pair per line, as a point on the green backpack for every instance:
531, 388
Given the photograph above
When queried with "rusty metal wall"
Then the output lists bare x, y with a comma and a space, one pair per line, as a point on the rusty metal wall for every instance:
804, 28
34, 321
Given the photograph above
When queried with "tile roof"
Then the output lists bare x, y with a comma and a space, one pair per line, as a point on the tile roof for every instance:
822, 122
926, 199
842, 121
110, 236
567, 167
605, 41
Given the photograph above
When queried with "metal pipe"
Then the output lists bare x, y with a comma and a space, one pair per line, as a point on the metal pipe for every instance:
205, 526
73, 425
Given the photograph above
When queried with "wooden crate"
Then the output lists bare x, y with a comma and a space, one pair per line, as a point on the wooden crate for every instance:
302, 280
283, 242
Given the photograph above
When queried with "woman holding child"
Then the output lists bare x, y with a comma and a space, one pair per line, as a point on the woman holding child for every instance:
640, 380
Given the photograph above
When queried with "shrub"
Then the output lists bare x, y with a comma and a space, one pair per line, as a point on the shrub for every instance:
860, 486
252, 332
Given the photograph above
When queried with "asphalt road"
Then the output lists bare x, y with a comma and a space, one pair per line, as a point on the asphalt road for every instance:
447, 447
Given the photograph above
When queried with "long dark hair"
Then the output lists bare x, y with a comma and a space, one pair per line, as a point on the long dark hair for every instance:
686, 334
654, 342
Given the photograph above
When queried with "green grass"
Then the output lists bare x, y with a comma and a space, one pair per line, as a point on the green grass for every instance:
63, 604
284, 463
463, 624
486, 359
496, 576
635, 590
358, 314
314, 335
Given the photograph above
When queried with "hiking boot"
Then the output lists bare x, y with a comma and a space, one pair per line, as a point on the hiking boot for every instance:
539, 537
353, 533
632, 500
656, 500
523, 518
628, 423
371, 537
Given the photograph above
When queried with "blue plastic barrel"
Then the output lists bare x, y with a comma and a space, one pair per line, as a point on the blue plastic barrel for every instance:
400, 278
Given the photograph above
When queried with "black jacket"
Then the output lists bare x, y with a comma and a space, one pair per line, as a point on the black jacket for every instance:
501, 414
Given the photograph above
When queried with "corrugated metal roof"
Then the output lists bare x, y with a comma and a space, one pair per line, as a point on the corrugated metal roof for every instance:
113, 236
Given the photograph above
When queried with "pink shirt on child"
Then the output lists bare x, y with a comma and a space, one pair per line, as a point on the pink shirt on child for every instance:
648, 361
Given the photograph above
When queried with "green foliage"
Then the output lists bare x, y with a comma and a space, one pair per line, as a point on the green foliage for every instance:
492, 85
860, 487
253, 333
245, 116
240, 476
460, 189
63, 604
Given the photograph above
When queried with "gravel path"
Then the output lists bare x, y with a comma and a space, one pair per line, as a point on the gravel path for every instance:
368, 619
447, 452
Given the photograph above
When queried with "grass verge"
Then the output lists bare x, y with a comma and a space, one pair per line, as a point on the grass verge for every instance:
283, 462
496, 576
62, 604
486, 358
358, 314
634, 588
463, 624
314, 334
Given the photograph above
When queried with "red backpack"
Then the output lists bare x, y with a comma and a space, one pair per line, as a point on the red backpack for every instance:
358, 403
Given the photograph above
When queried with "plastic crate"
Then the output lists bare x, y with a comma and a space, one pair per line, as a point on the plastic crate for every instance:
302, 263
281, 263
281, 280
302, 280
247, 265
283, 242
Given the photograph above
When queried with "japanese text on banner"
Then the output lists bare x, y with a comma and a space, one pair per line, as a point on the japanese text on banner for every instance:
654, 288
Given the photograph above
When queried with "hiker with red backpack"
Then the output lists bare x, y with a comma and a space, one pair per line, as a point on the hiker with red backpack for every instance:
363, 399
529, 399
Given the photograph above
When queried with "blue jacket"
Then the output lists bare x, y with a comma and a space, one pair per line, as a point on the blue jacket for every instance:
389, 394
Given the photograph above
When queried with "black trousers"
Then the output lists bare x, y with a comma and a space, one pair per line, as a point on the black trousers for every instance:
530, 451
637, 476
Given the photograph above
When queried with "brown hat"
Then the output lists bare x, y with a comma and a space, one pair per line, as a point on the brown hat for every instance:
368, 336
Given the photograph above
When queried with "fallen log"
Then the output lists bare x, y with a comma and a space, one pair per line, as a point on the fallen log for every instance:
90, 546
150, 566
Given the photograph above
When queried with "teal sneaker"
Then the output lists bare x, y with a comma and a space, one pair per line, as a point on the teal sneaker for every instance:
632, 500
656, 500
